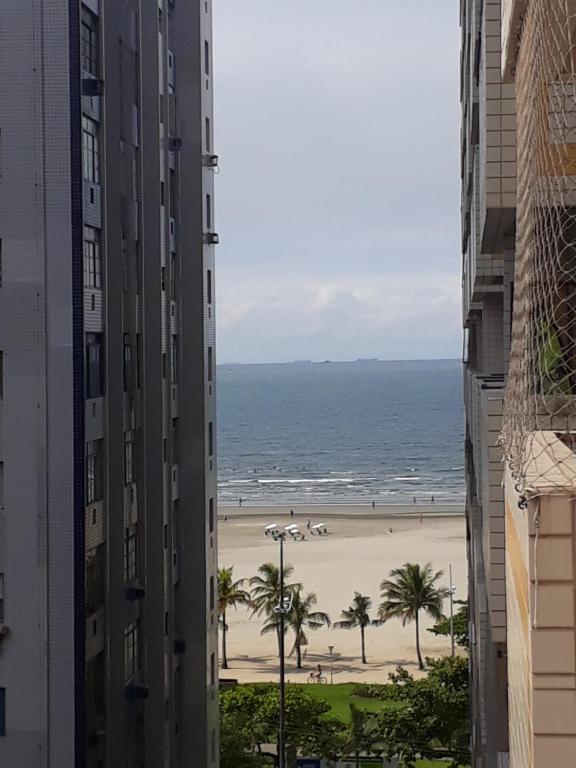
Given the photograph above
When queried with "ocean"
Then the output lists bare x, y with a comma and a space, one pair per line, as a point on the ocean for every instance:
355, 432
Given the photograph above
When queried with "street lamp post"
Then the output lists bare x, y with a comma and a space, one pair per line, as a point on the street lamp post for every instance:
331, 652
281, 611
451, 591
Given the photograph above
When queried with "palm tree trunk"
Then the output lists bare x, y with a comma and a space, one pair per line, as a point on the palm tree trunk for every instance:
298, 655
363, 646
224, 656
420, 662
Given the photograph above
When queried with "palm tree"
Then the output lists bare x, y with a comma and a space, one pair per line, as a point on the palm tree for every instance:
356, 615
266, 594
299, 618
411, 589
230, 595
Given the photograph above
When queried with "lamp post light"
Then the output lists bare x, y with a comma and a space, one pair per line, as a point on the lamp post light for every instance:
451, 591
331, 652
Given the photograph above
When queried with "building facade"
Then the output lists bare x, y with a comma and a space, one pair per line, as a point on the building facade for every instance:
488, 173
538, 59
108, 644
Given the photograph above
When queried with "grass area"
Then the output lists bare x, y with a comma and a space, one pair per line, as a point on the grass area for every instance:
340, 696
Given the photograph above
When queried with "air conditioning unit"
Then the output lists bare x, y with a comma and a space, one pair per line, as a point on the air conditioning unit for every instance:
211, 161
212, 238
92, 86
174, 144
135, 593
137, 691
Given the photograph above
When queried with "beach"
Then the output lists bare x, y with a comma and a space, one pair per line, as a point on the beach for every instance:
360, 548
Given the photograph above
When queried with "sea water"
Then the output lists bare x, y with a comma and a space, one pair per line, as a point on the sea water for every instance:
295, 433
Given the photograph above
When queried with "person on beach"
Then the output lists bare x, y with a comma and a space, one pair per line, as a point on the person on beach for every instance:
240, 502
420, 518
390, 529
432, 500
373, 504
291, 513
414, 499
308, 524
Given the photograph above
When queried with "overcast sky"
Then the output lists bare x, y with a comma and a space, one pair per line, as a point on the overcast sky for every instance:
337, 205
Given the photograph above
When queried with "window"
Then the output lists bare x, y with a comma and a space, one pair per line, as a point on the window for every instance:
165, 535
206, 57
94, 467
208, 211
130, 553
174, 360
128, 369
90, 151
211, 515
1, 599
94, 365
208, 137
209, 286
92, 260
211, 593
128, 457
210, 364
131, 661
210, 439
94, 580
212, 669
2, 711
89, 42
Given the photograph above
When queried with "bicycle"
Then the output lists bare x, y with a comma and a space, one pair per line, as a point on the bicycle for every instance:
314, 677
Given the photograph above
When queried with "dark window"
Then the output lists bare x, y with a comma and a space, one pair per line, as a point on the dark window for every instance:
206, 57
128, 457
95, 688
94, 580
164, 365
212, 669
130, 553
90, 150
2, 711
210, 439
211, 515
92, 259
89, 42
94, 471
165, 536
208, 136
94, 365
208, 211
174, 360
128, 364
211, 593
209, 286
162, 194
131, 655
210, 364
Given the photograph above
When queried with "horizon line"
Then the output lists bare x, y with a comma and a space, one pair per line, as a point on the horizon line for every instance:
357, 360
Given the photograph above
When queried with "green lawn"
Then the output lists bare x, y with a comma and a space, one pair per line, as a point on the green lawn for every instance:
339, 697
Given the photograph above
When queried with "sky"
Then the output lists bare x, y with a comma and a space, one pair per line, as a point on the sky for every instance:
337, 202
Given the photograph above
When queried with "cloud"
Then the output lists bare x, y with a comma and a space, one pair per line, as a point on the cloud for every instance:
299, 316
337, 126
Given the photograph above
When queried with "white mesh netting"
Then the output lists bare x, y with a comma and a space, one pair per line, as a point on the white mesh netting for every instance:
540, 415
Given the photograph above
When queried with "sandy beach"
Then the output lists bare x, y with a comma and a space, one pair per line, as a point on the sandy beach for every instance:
357, 554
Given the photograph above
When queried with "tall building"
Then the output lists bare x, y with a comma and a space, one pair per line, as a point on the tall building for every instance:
488, 172
539, 59
107, 414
